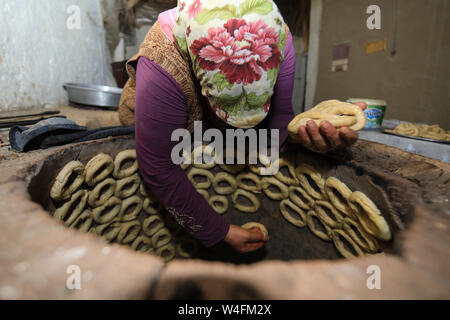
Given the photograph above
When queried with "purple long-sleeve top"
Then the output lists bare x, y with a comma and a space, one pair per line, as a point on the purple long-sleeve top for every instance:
160, 108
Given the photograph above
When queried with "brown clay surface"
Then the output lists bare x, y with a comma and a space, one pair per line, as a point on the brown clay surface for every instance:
35, 250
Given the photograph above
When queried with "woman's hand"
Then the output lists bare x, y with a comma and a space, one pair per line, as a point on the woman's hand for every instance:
327, 138
245, 240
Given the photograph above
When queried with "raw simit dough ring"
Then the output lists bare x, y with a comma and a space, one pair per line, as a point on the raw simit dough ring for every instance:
304, 201
142, 244
369, 216
223, 176
109, 231
129, 232
250, 196
126, 216
98, 169
338, 113
161, 238
220, 209
304, 170
187, 248
339, 244
284, 190
334, 222
288, 180
198, 156
200, 172
151, 206
78, 199
338, 193
312, 226
360, 236
108, 211
300, 223
251, 177
128, 186
166, 252
119, 172
407, 129
152, 224
83, 222
64, 185
258, 225
102, 193
433, 132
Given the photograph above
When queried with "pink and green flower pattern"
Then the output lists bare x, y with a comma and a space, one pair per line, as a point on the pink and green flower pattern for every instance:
236, 48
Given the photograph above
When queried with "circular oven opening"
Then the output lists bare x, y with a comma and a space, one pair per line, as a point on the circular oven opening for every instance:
147, 227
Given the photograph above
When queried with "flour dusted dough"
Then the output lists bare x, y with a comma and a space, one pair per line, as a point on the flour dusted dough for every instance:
338, 113
258, 225
369, 216
98, 169
61, 189
250, 196
126, 155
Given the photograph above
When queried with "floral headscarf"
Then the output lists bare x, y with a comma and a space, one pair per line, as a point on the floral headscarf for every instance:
236, 48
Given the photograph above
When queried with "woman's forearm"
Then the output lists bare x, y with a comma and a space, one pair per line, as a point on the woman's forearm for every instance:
161, 109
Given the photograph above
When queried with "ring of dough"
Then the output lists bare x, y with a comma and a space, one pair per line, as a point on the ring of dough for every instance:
107, 212
102, 192
338, 113
129, 232
361, 237
288, 180
64, 186
312, 226
332, 186
109, 231
250, 196
369, 216
187, 248
305, 201
407, 129
166, 252
249, 176
223, 176
265, 167
147, 227
78, 199
142, 244
98, 168
304, 170
204, 193
220, 209
200, 172
151, 206
339, 244
232, 168
126, 204
198, 154
161, 238
128, 186
300, 223
267, 182
83, 222
258, 225
121, 157
334, 222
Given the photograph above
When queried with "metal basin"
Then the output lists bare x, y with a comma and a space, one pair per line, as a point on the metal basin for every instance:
93, 95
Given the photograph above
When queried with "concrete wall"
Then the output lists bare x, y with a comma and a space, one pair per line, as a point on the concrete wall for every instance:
415, 80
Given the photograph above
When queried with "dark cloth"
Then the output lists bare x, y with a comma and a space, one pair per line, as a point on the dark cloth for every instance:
58, 131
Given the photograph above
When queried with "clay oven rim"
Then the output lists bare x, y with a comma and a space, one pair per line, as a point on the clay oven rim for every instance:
422, 266
40, 176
